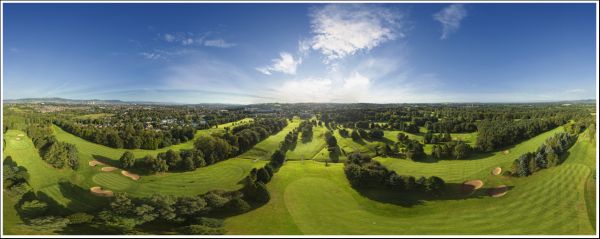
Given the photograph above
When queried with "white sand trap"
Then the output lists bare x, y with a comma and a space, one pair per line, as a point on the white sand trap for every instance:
506, 151
497, 171
108, 169
95, 162
17, 139
468, 187
130, 175
498, 191
98, 191
21, 135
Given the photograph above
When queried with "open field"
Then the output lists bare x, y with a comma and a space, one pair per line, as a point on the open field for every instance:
309, 198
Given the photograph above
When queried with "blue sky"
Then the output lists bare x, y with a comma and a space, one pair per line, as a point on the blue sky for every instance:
254, 53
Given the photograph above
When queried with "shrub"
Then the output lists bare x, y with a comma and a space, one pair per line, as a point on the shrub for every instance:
80, 218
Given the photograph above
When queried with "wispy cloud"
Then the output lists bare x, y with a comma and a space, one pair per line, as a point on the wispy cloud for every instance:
450, 18
285, 64
220, 43
199, 39
342, 30
152, 55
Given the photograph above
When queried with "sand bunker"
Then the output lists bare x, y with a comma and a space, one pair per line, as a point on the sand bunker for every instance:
498, 191
130, 175
17, 138
94, 163
21, 135
497, 171
98, 191
470, 186
108, 169
506, 151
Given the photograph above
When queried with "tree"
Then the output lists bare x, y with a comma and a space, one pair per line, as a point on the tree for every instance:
414, 150
159, 165
80, 218
173, 159
33, 208
237, 205
49, 223
355, 136
202, 230
330, 139
376, 134
127, 160
460, 150
434, 185
402, 137
277, 159
263, 175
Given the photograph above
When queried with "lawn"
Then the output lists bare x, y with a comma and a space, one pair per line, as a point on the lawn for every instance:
309, 198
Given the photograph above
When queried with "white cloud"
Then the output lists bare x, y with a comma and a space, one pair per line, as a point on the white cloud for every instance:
151, 55
450, 18
352, 88
218, 43
187, 41
342, 30
188, 38
285, 64
306, 90
169, 38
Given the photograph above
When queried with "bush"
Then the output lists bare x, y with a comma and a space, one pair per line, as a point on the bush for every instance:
237, 205
80, 218
33, 208
210, 222
202, 230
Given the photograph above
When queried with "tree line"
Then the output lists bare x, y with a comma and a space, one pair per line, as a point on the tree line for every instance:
546, 156
130, 137
495, 134
58, 154
363, 172
208, 149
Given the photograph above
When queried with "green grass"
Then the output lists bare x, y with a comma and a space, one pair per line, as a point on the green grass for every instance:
310, 149
94, 116
45, 179
475, 167
264, 149
470, 138
112, 153
309, 198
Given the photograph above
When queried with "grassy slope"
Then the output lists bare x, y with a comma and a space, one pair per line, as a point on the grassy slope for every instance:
45, 179
461, 170
112, 153
264, 149
309, 198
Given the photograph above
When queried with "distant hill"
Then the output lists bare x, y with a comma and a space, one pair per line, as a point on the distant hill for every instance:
57, 100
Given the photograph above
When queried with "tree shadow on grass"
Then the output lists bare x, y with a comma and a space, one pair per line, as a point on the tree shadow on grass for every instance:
81, 200
106, 160
451, 191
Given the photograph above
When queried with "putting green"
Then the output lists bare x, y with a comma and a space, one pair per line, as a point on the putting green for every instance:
112, 181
